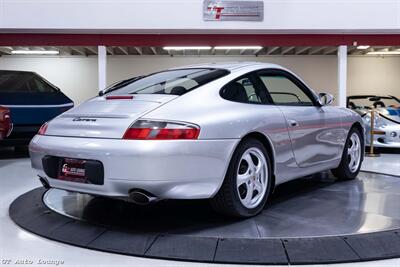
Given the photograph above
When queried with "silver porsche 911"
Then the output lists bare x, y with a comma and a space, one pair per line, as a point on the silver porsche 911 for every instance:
225, 132
386, 118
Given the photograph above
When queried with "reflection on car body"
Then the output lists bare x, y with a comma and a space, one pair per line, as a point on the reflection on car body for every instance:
211, 131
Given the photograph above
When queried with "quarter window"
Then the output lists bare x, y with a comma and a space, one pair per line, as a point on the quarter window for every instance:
243, 90
285, 92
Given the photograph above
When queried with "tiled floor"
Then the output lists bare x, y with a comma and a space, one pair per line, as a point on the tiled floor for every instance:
16, 177
386, 163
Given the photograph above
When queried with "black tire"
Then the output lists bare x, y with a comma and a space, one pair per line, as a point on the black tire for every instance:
227, 201
343, 171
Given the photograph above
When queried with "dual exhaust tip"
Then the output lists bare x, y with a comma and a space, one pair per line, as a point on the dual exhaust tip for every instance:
141, 197
137, 196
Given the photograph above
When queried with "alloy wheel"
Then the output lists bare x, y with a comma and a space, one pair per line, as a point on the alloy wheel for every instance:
354, 152
252, 177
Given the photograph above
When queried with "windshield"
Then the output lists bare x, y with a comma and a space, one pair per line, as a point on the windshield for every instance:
374, 102
172, 82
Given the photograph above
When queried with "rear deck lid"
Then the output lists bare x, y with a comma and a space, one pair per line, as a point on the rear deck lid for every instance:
105, 117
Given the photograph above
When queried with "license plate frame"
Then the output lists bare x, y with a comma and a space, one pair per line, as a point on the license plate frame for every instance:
72, 170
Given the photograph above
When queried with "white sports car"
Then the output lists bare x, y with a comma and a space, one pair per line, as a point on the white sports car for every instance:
226, 132
386, 118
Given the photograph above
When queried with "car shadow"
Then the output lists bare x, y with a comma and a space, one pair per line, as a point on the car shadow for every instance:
188, 216
14, 152
384, 150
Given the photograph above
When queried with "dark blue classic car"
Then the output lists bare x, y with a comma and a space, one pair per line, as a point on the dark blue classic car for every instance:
32, 101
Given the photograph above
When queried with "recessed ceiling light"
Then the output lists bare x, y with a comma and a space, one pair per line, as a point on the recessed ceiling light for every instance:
384, 53
187, 47
363, 47
251, 47
35, 52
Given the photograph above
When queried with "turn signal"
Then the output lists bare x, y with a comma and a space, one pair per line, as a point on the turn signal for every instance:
43, 129
161, 130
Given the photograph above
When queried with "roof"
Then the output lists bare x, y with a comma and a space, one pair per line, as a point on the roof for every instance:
231, 65
16, 71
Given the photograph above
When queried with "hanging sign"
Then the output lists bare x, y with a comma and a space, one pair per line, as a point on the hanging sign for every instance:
221, 10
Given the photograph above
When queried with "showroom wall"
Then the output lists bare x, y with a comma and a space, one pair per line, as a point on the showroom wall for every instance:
374, 75
77, 76
186, 16
305, 66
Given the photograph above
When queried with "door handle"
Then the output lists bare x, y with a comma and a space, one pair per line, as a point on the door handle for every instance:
293, 123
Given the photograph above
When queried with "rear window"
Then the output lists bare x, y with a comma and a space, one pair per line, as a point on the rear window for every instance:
171, 82
23, 82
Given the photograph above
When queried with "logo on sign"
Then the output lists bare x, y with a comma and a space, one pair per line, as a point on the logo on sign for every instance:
218, 10
215, 10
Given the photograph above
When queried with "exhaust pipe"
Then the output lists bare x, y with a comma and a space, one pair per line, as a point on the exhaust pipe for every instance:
44, 182
142, 197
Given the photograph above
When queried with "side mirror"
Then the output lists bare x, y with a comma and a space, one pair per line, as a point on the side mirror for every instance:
325, 99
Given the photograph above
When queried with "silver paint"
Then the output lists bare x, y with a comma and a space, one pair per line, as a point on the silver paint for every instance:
187, 169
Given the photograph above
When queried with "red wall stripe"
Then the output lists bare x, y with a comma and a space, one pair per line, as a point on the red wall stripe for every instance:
41, 39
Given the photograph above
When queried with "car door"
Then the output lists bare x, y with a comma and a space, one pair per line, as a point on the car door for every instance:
262, 116
314, 130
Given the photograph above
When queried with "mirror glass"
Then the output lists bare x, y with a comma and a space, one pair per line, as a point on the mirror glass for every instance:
325, 99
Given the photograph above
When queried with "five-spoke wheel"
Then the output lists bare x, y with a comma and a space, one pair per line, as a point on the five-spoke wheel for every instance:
350, 163
247, 183
252, 178
354, 152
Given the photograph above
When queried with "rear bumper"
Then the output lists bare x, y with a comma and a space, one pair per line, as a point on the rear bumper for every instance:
183, 169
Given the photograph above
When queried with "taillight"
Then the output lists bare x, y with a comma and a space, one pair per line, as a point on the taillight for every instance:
161, 130
5, 124
6, 118
43, 129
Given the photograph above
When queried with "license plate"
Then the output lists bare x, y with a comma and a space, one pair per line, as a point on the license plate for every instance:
72, 170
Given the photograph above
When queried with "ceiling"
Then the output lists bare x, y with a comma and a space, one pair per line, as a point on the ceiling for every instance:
148, 51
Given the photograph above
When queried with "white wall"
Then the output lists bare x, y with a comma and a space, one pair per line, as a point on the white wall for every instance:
160, 16
77, 76
374, 75
319, 72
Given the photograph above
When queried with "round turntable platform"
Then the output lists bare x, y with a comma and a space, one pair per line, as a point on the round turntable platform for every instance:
311, 220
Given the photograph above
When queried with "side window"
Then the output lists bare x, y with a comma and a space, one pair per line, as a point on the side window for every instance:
13, 82
23, 82
38, 85
243, 90
285, 92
